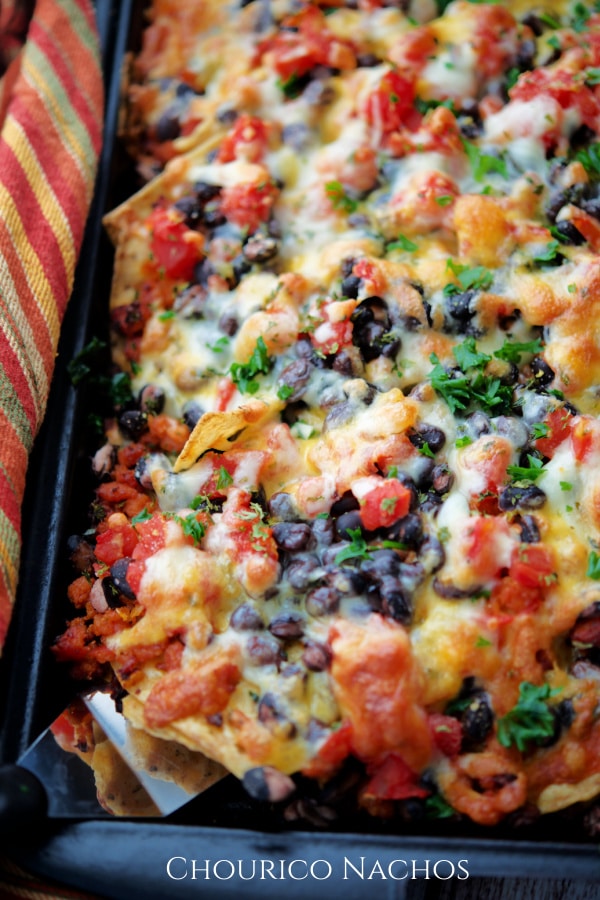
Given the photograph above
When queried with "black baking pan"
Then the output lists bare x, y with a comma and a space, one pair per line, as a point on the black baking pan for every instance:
221, 844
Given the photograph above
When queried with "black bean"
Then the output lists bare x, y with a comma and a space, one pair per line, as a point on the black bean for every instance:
407, 531
191, 209
292, 536
287, 626
570, 232
191, 302
477, 721
296, 135
350, 286
191, 413
347, 522
316, 656
246, 618
409, 483
295, 377
348, 362
450, 591
525, 59
272, 715
118, 573
411, 576
260, 248
282, 506
533, 21
521, 497
318, 93
460, 308
240, 266
432, 555
542, 373
367, 60
423, 433
478, 423
303, 570
81, 553
343, 504
133, 422
323, 531
381, 562
264, 650
339, 415
168, 127
442, 479
530, 532
213, 217
395, 601
206, 192
151, 399
322, 601
202, 272
228, 323
268, 784
226, 115
591, 207
112, 594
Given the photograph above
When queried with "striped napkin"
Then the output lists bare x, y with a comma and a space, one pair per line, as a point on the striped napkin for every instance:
51, 108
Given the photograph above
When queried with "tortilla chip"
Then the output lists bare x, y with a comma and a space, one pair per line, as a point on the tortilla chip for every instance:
559, 796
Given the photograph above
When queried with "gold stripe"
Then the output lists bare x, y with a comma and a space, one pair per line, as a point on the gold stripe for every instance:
39, 284
51, 207
10, 546
23, 358
10, 294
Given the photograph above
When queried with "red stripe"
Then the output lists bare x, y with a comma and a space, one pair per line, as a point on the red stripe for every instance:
55, 56
13, 371
11, 504
35, 317
40, 233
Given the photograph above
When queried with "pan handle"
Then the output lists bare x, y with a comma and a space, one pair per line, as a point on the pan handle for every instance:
23, 799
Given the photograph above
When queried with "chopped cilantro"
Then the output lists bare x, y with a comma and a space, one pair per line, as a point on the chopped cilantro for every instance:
512, 76
357, 549
166, 314
224, 479
290, 87
550, 254
402, 243
483, 163
142, 516
461, 391
444, 199
243, 374
580, 15
437, 808
593, 569
549, 20
592, 76
530, 721
554, 42
590, 158
468, 357
284, 392
469, 278
426, 450
192, 527
565, 486
338, 197
540, 430
482, 642
463, 441
219, 345
511, 351
120, 389
527, 473
82, 365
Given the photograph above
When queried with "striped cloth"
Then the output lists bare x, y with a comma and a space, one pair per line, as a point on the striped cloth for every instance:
14, 882
51, 108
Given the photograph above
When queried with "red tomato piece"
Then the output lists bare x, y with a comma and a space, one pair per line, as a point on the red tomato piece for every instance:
385, 504
509, 598
388, 106
447, 733
175, 247
569, 91
482, 546
248, 205
559, 423
306, 44
331, 753
330, 337
115, 543
247, 140
394, 780
585, 437
532, 565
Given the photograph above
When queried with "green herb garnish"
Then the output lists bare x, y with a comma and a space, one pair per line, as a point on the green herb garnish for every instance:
530, 721
527, 473
338, 197
511, 351
243, 374
593, 569
357, 549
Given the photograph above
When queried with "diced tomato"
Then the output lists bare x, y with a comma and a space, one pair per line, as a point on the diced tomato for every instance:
389, 105
129, 319
176, 248
569, 91
330, 337
532, 565
115, 493
305, 42
369, 272
481, 549
248, 205
414, 47
225, 391
558, 423
385, 504
115, 543
129, 454
151, 536
585, 437
331, 753
247, 140
509, 598
494, 39
393, 780
447, 733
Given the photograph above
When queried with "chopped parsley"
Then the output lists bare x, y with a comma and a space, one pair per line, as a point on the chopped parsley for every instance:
580, 15
190, 526
119, 389
224, 479
468, 357
437, 808
527, 473
590, 159
592, 76
243, 374
426, 450
540, 430
550, 254
463, 441
444, 199
219, 345
83, 364
284, 392
142, 516
460, 391
531, 720
565, 486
